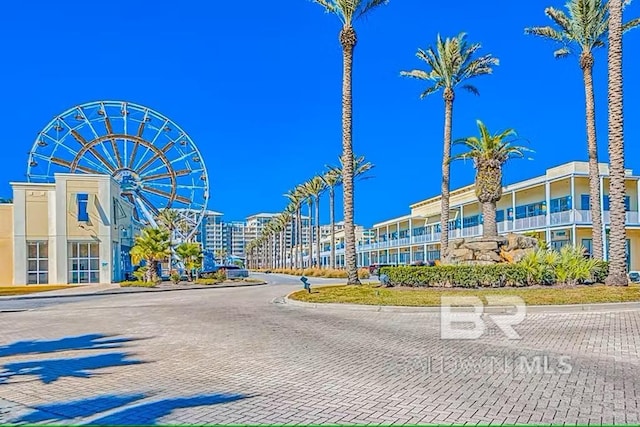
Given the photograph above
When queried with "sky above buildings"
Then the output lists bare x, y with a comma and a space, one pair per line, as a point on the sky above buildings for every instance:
257, 85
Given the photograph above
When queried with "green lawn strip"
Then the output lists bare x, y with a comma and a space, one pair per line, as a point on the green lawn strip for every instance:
23, 290
417, 297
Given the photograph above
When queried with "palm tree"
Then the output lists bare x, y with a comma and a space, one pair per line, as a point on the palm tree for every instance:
617, 237
332, 178
296, 197
152, 246
170, 220
349, 11
315, 187
585, 26
450, 65
290, 211
489, 153
190, 253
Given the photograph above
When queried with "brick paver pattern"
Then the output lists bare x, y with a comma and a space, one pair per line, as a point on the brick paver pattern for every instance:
305, 365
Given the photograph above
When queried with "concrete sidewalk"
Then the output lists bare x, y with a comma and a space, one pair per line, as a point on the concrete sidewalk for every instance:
114, 288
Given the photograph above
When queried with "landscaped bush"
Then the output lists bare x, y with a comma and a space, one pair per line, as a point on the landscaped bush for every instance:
467, 276
137, 283
335, 273
219, 275
568, 266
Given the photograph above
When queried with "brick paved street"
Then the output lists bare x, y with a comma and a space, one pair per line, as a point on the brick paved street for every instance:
235, 356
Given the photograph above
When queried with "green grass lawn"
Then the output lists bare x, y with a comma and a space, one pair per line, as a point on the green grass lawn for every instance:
373, 295
30, 289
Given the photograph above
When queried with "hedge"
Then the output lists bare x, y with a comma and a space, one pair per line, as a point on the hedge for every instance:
470, 276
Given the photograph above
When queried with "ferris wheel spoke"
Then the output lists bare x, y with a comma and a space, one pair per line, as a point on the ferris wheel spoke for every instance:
181, 172
148, 209
153, 142
93, 151
114, 145
179, 186
167, 195
66, 163
155, 156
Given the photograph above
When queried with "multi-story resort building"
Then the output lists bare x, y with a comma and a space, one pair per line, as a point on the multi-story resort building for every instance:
553, 207
214, 233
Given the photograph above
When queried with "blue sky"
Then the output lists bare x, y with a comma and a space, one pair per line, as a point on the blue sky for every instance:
257, 87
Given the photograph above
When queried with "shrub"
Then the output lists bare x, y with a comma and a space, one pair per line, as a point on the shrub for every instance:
140, 273
572, 267
539, 266
600, 271
468, 276
175, 277
137, 283
363, 273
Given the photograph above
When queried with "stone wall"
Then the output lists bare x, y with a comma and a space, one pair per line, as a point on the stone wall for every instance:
491, 250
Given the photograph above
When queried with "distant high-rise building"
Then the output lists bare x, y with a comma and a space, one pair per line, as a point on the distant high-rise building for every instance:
214, 233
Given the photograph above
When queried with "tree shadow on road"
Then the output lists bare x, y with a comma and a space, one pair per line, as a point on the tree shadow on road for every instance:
80, 342
140, 414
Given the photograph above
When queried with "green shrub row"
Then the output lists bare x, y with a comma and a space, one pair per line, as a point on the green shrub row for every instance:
541, 267
466, 276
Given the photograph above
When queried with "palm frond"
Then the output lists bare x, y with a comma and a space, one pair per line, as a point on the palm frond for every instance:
563, 52
546, 32
472, 89
416, 74
630, 25
560, 18
368, 7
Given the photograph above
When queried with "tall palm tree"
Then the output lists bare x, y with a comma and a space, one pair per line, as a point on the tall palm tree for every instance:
489, 153
585, 26
315, 187
450, 64
296, 197
152, 246
617, 237
332, 178
349, 11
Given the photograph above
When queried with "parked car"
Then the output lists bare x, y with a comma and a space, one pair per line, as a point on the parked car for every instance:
634, 276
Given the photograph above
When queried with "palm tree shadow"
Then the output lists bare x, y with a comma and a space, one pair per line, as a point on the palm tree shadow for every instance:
80, 342
146, 413
51, 370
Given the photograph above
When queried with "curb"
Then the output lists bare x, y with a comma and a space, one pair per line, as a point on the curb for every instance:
118, 291
569, 308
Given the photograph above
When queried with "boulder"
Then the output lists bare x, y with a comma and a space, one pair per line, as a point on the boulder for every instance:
484, 251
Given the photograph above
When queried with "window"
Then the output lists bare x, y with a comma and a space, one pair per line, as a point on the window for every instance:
588, 245
585, 199
83, 200
500, 215
560, 204
471, 221
37, 263
533, 209
84, 262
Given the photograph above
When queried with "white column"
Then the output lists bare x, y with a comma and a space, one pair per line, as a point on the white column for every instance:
547, 197
61, 256
573, 200
461, 220
513, 210
20, 238
398, 256
53, 239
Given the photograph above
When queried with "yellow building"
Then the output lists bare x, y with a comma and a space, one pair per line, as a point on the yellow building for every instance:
75, 230
554, 206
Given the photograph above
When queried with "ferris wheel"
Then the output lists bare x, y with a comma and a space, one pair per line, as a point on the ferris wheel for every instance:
155, 162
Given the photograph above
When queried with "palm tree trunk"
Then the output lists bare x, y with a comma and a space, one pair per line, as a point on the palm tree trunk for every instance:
292, 240
586, 63
348, 41
617, 238
310, 231
318, 230
446, 159
299, 260
489, 225
332, 220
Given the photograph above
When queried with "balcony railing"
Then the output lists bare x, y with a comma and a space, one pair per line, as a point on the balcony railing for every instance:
569, 217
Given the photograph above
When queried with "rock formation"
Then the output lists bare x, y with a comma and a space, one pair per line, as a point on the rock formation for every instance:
491, 250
